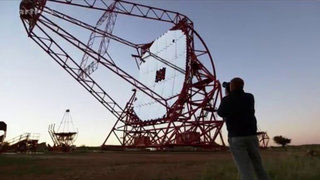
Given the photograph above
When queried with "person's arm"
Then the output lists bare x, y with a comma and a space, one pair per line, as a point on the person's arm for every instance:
223, 110
251, 105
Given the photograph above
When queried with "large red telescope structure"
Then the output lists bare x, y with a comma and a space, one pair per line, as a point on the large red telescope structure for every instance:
175, 87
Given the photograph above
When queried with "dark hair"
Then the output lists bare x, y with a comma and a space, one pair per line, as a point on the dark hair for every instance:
237, 83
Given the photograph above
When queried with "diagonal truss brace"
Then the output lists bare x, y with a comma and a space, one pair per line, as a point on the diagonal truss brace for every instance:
129, 8
72, 67
105, 62
110, 19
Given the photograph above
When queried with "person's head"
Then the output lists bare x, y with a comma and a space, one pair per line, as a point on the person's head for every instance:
236, 84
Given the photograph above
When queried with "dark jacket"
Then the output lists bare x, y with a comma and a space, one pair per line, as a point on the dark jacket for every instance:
237, 109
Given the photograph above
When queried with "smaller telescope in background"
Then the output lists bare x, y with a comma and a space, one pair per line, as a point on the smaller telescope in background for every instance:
65, 135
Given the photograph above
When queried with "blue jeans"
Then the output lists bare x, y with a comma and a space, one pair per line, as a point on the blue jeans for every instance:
245, 152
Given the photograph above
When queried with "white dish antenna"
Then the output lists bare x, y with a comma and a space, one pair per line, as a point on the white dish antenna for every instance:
159, 76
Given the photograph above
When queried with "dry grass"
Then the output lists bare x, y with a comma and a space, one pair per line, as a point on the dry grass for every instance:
284, 165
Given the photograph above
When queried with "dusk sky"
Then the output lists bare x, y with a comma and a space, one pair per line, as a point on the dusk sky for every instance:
273, 45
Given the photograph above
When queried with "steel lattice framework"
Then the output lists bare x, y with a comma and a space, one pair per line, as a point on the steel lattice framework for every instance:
190, 121
66, 134
263, 139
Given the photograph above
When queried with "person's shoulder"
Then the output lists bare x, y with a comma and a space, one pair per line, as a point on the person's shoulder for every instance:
249, 95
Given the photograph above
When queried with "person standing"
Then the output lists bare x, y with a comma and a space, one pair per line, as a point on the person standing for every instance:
237, 109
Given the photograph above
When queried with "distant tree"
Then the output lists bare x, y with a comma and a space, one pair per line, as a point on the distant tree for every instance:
283, 141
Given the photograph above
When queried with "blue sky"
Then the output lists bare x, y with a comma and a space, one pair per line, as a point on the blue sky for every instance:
273, 45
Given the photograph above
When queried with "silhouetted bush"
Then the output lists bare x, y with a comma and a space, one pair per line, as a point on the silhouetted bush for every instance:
283, 141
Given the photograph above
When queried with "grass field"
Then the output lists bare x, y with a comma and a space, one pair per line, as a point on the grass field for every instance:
293, 164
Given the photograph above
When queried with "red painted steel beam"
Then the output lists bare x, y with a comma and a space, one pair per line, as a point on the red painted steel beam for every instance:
102, 60
130, 8
200, 92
